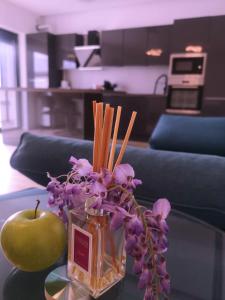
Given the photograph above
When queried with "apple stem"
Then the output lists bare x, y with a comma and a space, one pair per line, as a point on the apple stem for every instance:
35, 212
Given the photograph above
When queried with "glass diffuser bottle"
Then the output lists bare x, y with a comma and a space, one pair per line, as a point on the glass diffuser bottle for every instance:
96, 255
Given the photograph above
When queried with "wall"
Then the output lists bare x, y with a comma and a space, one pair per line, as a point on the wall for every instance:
153, 12
16, 19
138, 80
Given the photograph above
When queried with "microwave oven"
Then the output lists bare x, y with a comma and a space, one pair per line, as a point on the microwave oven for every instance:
187, 69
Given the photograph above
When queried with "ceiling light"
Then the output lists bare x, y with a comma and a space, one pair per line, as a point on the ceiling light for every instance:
193, 48
154, 52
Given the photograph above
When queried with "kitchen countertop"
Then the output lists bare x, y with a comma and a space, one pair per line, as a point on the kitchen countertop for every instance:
81, 91
52, 90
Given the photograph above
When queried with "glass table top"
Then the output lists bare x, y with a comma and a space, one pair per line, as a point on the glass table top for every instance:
195, 259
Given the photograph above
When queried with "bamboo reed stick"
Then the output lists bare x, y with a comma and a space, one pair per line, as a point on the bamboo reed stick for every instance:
104, 137
97, 136
125, 141
108, 137
114, 140
94, 110
100, 133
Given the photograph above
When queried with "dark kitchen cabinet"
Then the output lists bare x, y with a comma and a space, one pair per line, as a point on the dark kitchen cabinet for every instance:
65, 55
158, 40
148, 108
190, 32
213, 107
215, 69
41, 61
134, 46
112, 48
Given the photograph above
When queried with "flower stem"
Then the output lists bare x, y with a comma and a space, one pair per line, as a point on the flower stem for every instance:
35, 211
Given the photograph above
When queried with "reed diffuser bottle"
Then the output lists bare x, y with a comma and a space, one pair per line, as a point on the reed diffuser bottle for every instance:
96, 257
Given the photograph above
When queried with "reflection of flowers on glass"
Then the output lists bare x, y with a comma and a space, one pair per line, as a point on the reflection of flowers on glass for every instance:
145, 229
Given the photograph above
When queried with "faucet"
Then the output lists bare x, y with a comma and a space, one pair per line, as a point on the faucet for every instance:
157, 82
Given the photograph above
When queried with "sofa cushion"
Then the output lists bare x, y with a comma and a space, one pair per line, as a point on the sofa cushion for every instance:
193, 183
204, 135
37, 155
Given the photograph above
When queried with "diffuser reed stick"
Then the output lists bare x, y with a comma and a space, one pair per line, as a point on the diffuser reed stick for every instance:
103, 156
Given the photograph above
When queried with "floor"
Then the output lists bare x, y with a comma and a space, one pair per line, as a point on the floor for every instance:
11, 180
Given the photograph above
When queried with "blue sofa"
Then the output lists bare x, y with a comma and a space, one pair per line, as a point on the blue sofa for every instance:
203, 135
194, 183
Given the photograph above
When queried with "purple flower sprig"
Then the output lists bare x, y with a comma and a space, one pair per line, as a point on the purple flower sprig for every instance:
145, 229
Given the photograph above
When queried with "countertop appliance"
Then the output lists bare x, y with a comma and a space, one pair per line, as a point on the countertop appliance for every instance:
186, 82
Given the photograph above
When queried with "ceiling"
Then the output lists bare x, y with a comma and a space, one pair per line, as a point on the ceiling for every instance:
53, 7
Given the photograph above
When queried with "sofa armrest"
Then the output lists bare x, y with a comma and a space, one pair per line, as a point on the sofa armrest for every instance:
205, 135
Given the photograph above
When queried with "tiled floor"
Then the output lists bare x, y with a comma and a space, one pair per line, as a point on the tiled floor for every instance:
10, 179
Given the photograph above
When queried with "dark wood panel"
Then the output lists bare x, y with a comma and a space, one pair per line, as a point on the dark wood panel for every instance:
134, 46
112, 48
158, 38
190, 32
148, 108
65, 44
88, 114
213, 108
36, 44
41, 59
214, 81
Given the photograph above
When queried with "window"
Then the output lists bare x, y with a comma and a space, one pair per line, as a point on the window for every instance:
8, 78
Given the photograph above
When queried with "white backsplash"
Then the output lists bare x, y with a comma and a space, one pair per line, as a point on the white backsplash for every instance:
138, 80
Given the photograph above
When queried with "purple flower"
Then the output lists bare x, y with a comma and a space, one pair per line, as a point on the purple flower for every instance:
69, 188
162, 244
98, 189
163, 227
149, 295
162, 208
123, 174
97, 204
165, 284
82, 166
144, 279
51, 201
118, 217
135, 226
136, 182
161, 267
131, 241
138, 265
105, 177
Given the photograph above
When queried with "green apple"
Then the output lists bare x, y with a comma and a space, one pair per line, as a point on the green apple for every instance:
32, 239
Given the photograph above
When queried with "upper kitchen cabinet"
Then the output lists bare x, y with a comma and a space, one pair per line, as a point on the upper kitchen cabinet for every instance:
215, 68
158, 45
65, 55
134, 46
41, 61
112, 48
190, 32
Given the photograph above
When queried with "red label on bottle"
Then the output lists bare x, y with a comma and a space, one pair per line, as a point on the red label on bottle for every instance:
81, 249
